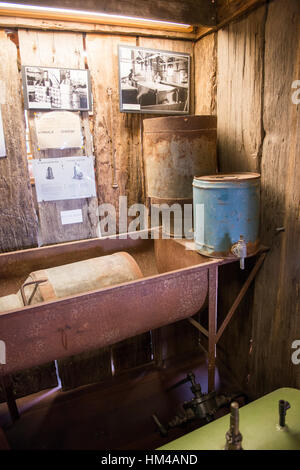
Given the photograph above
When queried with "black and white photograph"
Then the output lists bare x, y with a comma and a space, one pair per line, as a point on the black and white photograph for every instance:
153, 81
56, 88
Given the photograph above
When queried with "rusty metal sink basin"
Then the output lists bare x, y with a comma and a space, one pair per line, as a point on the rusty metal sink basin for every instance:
175, 286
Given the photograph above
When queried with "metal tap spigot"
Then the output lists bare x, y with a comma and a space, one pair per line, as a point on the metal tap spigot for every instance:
239, 250
283, 407
233, 436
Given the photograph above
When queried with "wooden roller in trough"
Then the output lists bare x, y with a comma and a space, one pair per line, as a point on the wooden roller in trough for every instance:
71, 279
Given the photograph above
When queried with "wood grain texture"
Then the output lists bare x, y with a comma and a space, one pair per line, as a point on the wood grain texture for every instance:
228, 10
239, 96
72, 26
205, 58
18, 220
59, 50
276, 312
258, 59
117, 140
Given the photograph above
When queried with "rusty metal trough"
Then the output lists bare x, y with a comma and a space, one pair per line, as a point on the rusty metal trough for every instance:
175, 287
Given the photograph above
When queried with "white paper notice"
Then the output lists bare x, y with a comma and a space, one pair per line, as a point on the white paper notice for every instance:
2, 140
58, 179
71, 217
136, 107
58, 130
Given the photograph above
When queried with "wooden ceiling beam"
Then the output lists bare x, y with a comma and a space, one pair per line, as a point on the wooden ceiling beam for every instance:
227, 11
192, 12
12, 22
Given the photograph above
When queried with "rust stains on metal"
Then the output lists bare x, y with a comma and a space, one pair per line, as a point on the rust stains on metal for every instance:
59, 328
176, 148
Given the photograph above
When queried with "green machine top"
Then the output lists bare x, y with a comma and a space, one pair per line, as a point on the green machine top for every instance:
258, 424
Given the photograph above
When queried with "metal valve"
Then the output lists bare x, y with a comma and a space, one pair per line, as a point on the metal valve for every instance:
283, 407
239, 250
233, 436
202, 406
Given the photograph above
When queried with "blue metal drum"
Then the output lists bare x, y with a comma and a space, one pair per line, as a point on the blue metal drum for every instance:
226, 213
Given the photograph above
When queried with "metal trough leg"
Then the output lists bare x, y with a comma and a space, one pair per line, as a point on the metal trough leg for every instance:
7, 385
212, 333
212, 324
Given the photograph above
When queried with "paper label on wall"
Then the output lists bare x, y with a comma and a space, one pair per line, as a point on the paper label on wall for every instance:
58, 179
136, 107
71, 217
2, 140
58, 130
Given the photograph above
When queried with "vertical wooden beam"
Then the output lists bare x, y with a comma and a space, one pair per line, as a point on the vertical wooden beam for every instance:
7, 385
276, 312
18, 227
205, 59
239, 100
116, 135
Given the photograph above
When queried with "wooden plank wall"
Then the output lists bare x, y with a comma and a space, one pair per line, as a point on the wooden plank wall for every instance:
117, 140
206, 75
258, 130
240, 76
19, 225
276, 310
59, 50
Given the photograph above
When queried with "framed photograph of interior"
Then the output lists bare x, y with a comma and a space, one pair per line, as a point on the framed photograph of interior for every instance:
153, 81
48, 88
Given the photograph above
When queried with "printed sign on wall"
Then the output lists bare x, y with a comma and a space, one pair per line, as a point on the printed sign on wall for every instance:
58, 130
58, 179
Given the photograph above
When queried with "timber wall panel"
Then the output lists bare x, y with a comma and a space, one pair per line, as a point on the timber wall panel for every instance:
18, 220
258, 58
205, 57
239, 95
59, 49
117, 141
240, 52
276, 312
